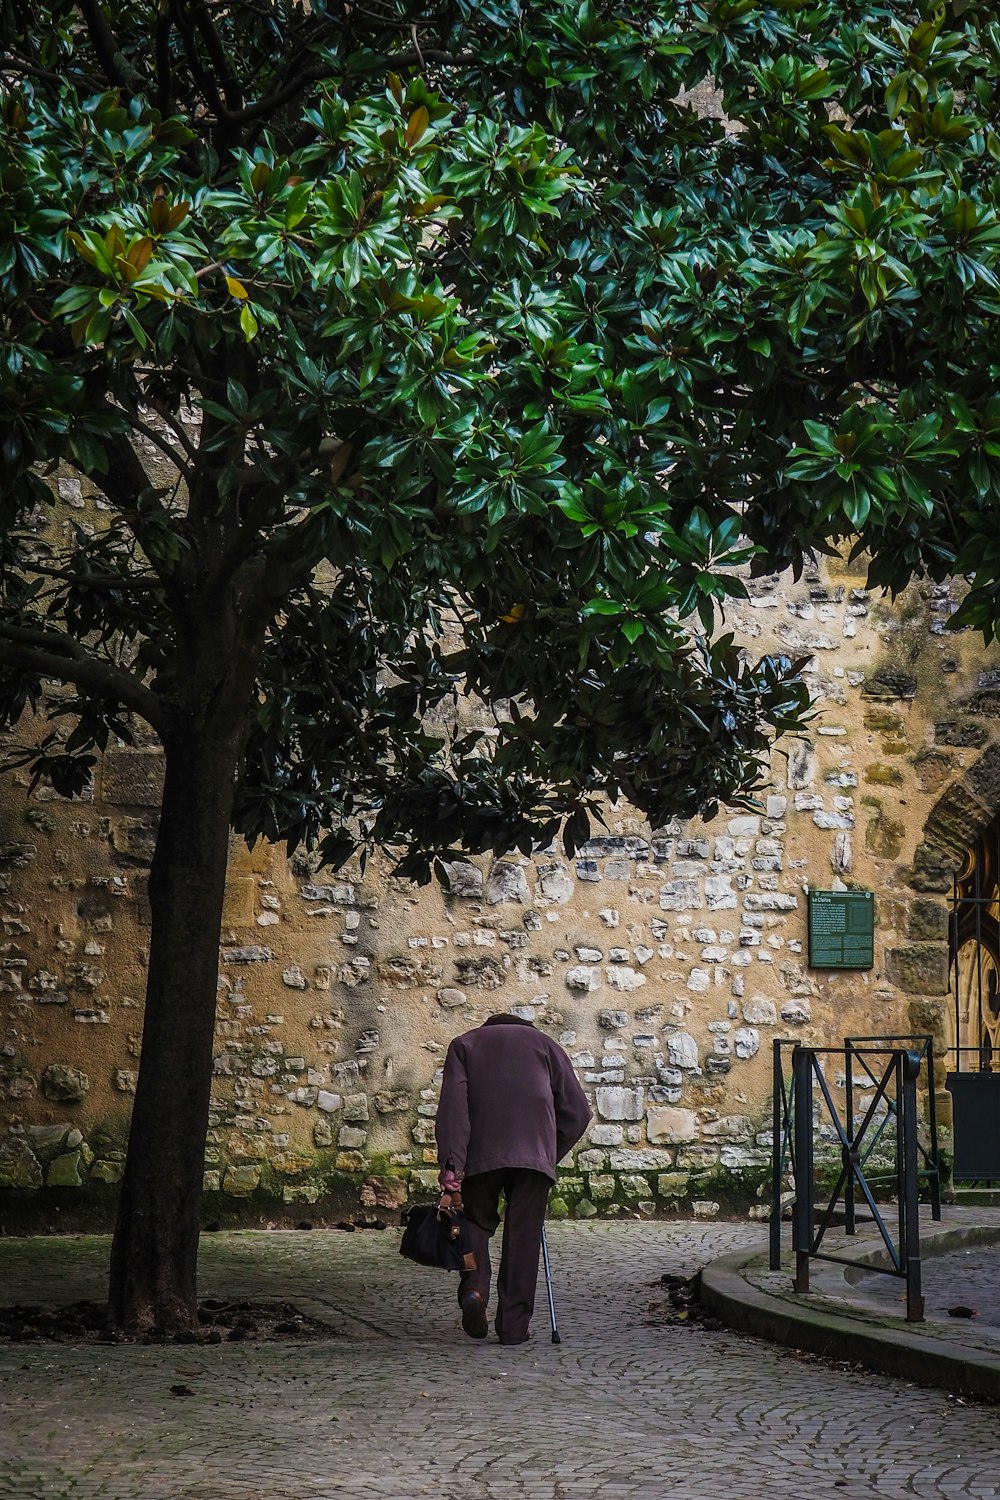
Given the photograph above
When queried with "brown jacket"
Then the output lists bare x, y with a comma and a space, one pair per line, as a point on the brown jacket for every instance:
509, 1098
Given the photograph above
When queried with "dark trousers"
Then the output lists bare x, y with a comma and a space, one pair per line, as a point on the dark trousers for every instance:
527, 1194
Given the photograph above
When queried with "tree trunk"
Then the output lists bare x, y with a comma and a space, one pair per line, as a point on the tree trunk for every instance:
155, 1251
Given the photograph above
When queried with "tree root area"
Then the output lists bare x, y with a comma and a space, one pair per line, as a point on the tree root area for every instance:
218, 1323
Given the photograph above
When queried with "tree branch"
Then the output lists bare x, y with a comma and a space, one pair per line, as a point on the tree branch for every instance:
117, 67
152, 436
164, 79
52, 654
217, 53
95, 580
190, 44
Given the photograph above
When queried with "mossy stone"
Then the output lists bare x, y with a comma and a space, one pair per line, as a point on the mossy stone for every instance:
880, 775
884, 836
928, 919
64, 1171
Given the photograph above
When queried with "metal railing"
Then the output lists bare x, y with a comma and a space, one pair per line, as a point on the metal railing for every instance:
889, 1118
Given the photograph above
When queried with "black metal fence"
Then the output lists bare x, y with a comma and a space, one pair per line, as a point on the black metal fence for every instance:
886, 1125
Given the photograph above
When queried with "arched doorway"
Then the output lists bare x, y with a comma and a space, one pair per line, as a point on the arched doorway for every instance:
974, 955
974, 958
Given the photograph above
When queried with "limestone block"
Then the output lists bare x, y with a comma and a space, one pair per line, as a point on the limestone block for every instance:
650, 1159
602, 1188
19, 1166
250, 955
211, 1182
605, 1135
125, 1080
704, 1208
612, 1020
667, 1124
759, 1010
729, 1128
64, 1085
356, 1108
672, 1184
933, 869
64, 1171
384, 1192
20, 1084
622, 977
632, 1186
134, 839
342, 893
391, 1101
719, 893
300, 1192
582, 978
404, 973
507, 883
46, 1141
591, 1161
746, 1042
294, 978
555, 885
481, 973
322, 1134
106, 1171
423, 1133
769, 901
681, 895
306, 1096
238, 906
132, 778
584, 1209
464, 880
796, 1012
451, 998
682, 1051
350, 1161
618, 1103
240, 1182
292, 1163
919, 969
742, 1158
698, 1157
928, 920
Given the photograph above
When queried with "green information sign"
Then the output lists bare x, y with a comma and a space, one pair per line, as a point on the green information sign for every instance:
841, 930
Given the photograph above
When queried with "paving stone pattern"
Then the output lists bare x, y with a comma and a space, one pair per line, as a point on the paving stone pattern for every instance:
400, 1404
965, 1278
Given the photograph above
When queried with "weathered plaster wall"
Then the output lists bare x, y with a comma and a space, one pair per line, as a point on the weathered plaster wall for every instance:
665, 962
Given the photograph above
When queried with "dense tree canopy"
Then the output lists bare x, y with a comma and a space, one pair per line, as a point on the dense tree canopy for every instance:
421, 349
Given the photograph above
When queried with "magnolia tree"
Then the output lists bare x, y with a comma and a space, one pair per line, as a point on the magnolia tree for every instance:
421, 351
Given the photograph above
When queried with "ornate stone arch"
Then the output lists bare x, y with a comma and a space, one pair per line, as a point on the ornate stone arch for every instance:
959, 858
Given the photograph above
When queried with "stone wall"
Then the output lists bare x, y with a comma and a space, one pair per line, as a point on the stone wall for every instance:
666, 961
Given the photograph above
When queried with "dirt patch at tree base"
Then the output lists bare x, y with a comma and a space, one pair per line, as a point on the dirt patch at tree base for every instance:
219, 1322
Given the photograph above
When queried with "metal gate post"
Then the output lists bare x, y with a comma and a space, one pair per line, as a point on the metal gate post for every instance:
777, 1141
802, 1064
932, 1127
850, 1217
909, 1073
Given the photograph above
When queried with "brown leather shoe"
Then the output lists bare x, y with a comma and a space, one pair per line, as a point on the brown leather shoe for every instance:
474, 1315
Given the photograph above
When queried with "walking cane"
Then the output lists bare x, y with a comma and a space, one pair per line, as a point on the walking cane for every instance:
548, 1286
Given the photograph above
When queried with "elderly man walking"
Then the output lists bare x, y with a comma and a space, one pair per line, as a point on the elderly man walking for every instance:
511, 1107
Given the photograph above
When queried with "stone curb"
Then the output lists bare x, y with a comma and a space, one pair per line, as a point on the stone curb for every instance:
823, 1326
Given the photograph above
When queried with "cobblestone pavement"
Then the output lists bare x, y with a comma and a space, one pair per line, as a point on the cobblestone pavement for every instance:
399, 1404
964, 1278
